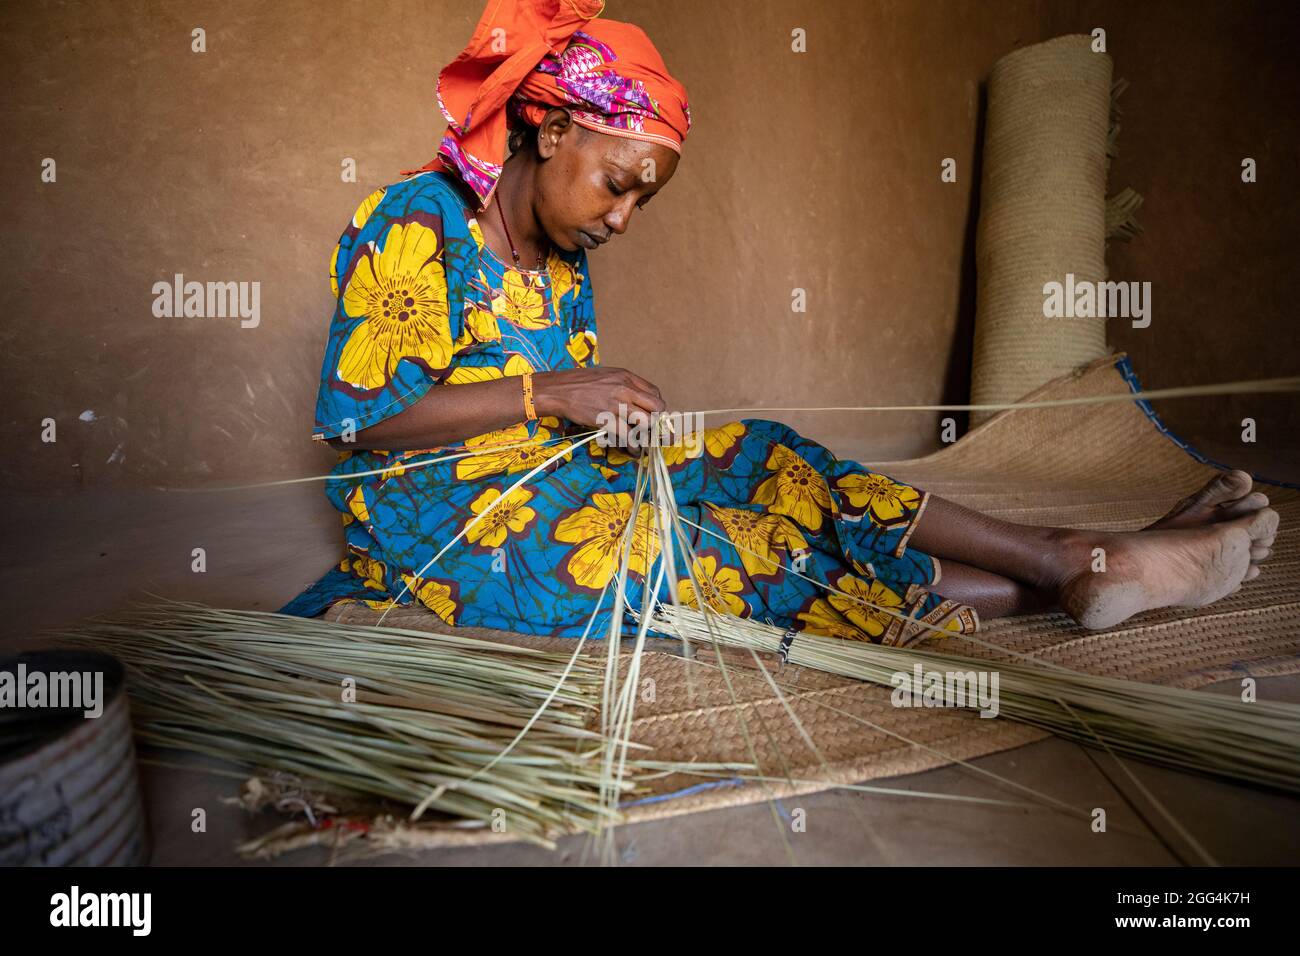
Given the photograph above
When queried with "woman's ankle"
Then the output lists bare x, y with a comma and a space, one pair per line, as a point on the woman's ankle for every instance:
1073, 552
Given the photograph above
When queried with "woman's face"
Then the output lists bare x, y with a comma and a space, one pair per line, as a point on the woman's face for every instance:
589, 184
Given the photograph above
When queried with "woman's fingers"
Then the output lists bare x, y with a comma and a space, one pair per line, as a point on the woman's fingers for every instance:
638, 426
644, 388
635, 396
620, 425
650, 391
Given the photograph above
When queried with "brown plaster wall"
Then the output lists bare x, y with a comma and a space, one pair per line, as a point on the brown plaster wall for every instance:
817, 171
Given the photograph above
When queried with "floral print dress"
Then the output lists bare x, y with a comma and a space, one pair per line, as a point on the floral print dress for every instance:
423, 303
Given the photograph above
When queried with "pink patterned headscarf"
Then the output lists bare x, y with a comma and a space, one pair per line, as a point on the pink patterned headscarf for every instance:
529, 56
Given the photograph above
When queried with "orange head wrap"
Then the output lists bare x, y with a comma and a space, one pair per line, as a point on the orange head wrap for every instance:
528, 56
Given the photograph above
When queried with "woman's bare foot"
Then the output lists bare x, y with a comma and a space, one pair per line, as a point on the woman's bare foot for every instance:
1182, 567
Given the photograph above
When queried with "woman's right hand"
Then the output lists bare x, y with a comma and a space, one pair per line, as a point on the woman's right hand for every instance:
597, 397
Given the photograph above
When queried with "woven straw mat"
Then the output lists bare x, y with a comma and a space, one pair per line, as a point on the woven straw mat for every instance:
1096, 466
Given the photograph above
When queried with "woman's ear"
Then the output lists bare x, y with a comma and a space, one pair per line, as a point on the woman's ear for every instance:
557, 124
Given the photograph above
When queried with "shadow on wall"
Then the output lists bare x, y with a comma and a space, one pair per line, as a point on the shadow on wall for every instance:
957, 378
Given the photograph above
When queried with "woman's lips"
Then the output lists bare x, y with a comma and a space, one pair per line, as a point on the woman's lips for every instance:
588, 240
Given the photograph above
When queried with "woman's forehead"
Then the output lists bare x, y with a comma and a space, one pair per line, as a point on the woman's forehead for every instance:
627, 153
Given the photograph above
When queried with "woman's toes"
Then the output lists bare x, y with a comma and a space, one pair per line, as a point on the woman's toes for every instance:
1236, 483
1211, 502
1228, 486
1262, 525
1243, 506
1259, 555
1252, 573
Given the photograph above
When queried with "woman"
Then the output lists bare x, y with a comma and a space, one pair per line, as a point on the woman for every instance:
465, 321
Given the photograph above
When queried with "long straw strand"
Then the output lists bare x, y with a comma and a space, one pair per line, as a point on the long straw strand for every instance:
1250, 387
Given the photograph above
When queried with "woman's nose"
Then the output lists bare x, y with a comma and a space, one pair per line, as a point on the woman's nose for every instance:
616, 223
619, 216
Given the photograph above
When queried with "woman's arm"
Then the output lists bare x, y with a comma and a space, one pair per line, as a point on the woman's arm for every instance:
450, 414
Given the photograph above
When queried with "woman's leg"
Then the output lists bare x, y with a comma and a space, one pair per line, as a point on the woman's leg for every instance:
1101, 578
991, 595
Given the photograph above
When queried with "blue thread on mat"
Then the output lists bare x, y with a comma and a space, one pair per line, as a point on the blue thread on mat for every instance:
689, 791
1125, 369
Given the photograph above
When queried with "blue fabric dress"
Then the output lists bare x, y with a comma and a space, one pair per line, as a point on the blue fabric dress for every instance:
423, 303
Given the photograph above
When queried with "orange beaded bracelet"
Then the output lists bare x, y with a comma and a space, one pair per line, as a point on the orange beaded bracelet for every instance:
529, 409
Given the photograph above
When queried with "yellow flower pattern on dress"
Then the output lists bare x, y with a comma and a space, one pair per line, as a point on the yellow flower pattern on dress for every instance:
612, 453
473, 373
884, 501
721, 587
871, 605
584, 349
718, 441
370, 571
518, 365
598, 529
521, 302
713, 441
357, 504
358, 220
509, 515
822, 619
401, 292
435, 595
368, 205
526, 452
564, 279
480, 326
796, 489
757, 535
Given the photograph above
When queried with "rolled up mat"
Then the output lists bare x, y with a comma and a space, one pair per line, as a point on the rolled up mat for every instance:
1042, 215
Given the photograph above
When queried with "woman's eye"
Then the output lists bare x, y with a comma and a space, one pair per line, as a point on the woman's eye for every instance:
613, 187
